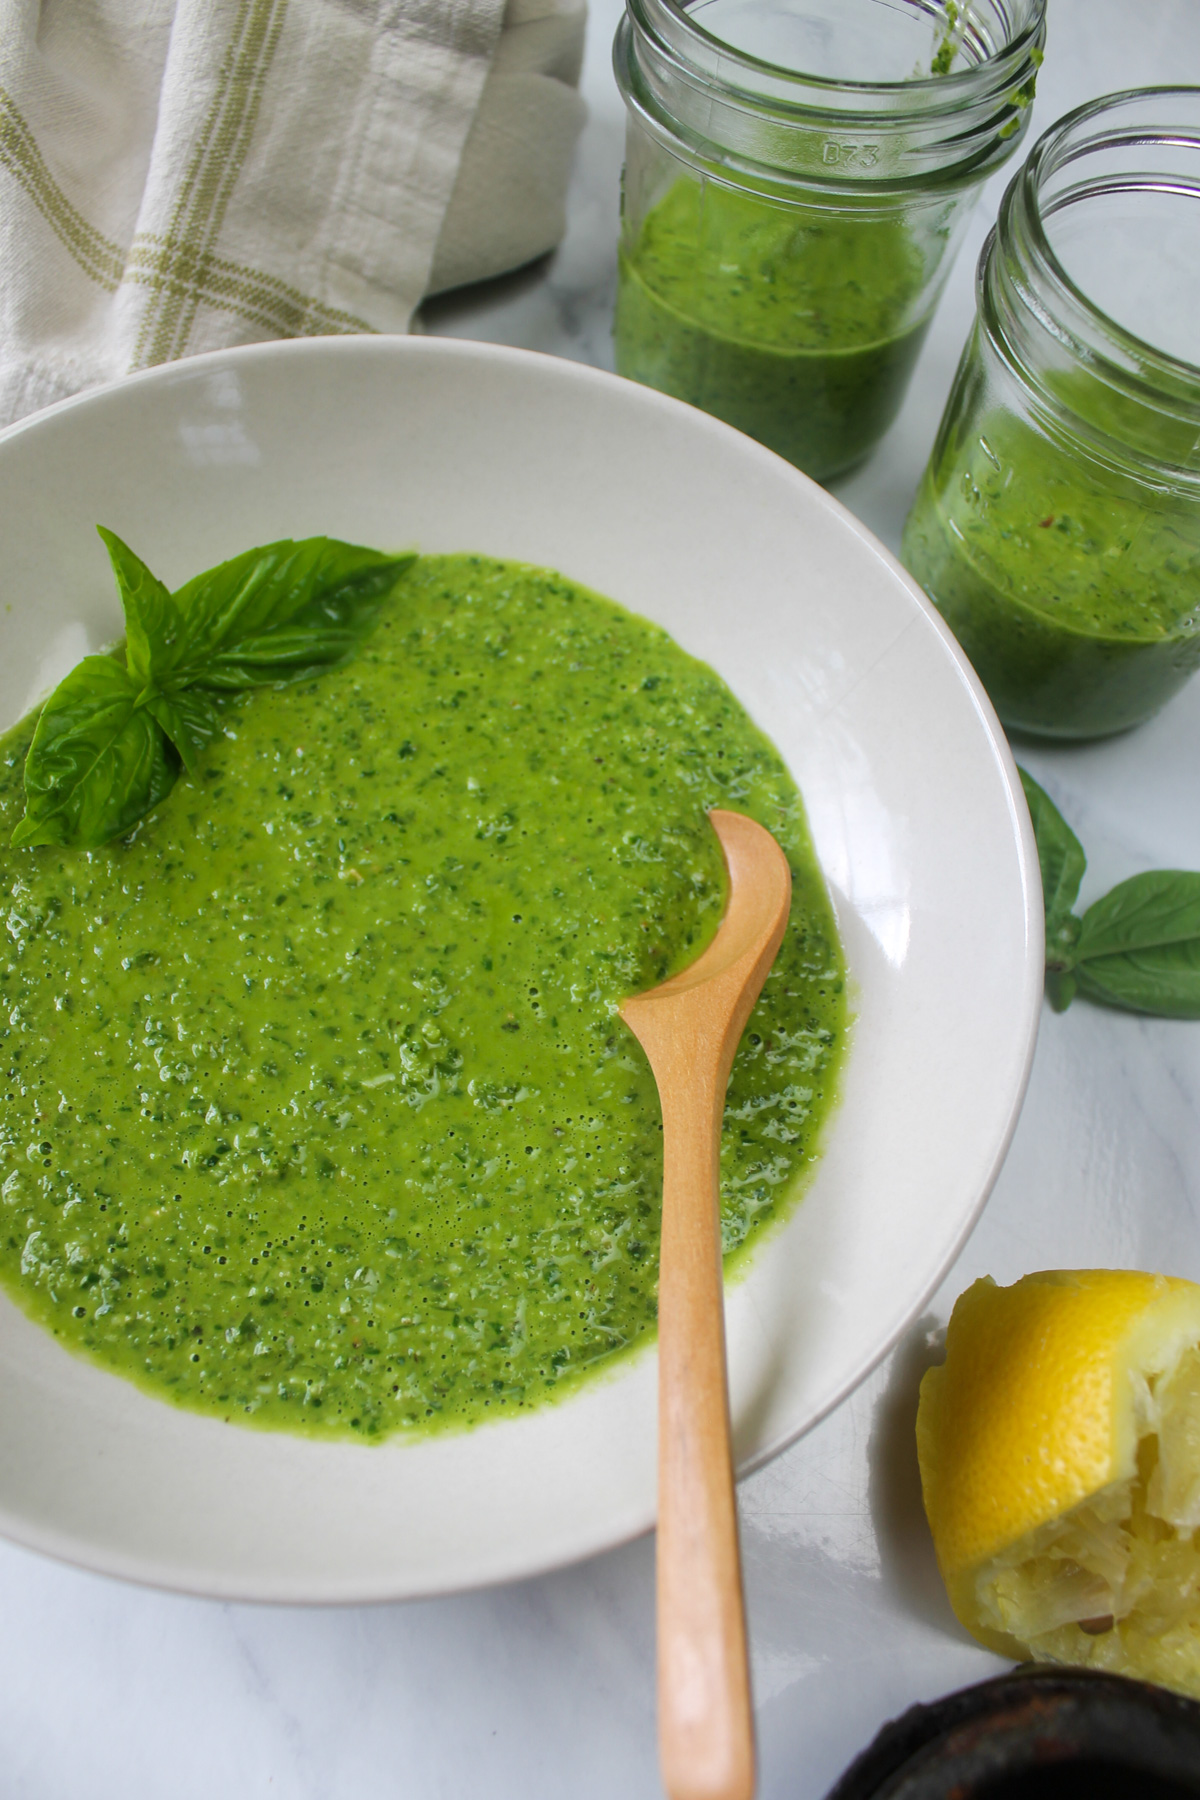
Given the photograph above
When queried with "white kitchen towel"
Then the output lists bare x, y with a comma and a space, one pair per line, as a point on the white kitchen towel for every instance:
182, 175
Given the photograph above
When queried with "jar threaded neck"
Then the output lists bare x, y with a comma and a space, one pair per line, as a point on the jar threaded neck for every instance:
1039, 316
843, 137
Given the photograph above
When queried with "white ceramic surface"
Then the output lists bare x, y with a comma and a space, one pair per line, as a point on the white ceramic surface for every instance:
911, 799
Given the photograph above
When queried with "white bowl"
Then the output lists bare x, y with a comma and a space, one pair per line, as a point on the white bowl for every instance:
918, 823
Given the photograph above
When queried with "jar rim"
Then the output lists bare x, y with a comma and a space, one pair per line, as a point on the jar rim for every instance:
675, 81
926, 96
1022, 222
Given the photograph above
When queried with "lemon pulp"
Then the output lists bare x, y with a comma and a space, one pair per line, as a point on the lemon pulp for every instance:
1060, 1457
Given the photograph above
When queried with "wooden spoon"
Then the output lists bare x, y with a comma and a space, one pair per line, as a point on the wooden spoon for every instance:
689, 1028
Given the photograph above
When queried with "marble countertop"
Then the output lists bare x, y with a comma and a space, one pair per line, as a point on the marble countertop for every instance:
545, 1690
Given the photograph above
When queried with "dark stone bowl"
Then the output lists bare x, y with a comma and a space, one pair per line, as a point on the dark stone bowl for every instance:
1038, 1734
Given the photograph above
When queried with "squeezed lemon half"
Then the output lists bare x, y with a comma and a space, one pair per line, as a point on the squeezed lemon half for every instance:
1059, 1446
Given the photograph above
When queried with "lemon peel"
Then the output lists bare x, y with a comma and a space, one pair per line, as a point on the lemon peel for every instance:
1059, 1446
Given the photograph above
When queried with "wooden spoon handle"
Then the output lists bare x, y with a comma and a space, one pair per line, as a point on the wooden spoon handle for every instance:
689, 1027
706, 1725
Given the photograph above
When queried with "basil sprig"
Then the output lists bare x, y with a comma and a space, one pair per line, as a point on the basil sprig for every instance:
111, 737
1137, 948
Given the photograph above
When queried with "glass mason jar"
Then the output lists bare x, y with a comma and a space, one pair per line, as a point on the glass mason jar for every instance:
1057, 527
798, 176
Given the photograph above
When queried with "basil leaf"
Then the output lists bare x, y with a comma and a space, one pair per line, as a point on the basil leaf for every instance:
1162, 979
1158, 908
1061, 987
190, 719
279, 613
1137, 948
152, 621
97, 761
109, 740
1062, 861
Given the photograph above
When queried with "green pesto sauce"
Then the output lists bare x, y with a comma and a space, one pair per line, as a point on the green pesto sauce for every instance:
319, 1114
1075, 592
793, 324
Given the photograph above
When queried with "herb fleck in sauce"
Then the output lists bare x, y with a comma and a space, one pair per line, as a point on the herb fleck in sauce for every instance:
318, 1111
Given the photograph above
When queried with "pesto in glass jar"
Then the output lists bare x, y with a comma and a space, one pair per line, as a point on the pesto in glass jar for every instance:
796, 184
